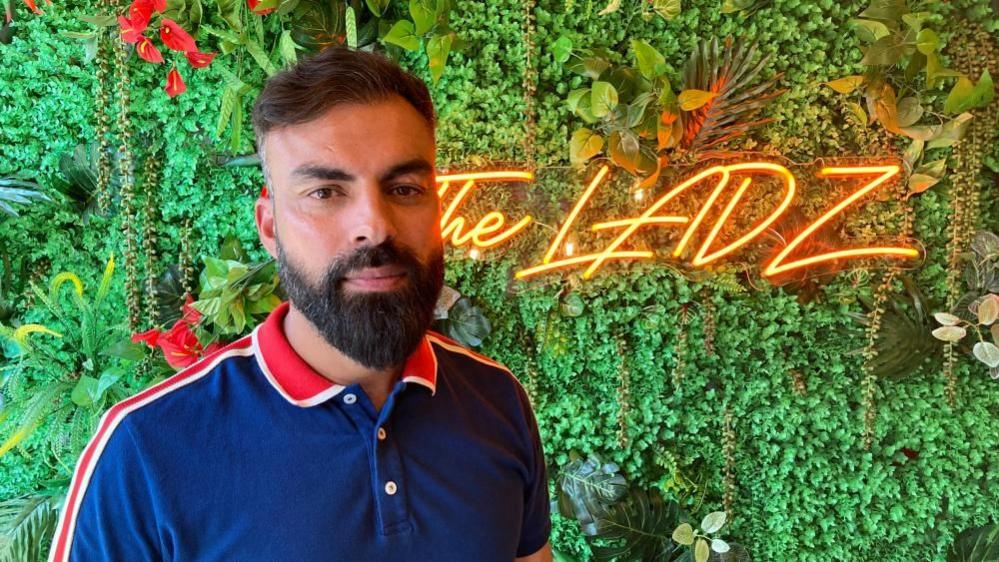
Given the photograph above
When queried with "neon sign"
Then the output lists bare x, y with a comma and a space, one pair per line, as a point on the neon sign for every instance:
492, 229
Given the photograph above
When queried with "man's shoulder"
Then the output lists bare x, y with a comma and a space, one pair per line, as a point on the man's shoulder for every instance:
457, 360
185, 392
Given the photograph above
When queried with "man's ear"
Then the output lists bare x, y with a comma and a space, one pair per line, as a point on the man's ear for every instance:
263, 214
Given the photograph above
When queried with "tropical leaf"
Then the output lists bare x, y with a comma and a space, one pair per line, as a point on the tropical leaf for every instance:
586, 489
732, 76
639, 528
26, 526
466, 323
980, 544
905, 342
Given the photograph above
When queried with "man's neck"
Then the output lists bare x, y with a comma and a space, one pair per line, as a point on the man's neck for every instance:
332, 364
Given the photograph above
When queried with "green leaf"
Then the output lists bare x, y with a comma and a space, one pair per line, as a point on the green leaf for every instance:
935, 168
438, 49
227, 103
935, 70
919, 183
979, 544
424, 16
988, 310
650, 62
915, 20
258, 54
585, 144
719, 546
668, 9
946, 318
909, 111
84, 392
576, 97
562, 49
713, 522
603, 98
883, 52
951, 132
694, 99
287, 47
83, 35
351, 23
965, 95
927, 41
870, 31
378, 7
623, 148
987, 352
684, 534
612, 6
100, 20
847, 84
949, 333
402, 34
701, 550
857, 112
887, 10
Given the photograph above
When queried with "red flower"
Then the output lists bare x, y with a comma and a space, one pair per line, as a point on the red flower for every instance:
158, 5
31, 5
129, 32
199, 60
174, 37
180, 346
175, 86
147, 51
253, 4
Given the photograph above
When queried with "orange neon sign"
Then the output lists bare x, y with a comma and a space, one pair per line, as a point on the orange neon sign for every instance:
491, 230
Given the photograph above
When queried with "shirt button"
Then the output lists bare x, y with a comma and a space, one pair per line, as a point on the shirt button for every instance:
381, 434
390, 488
349, 399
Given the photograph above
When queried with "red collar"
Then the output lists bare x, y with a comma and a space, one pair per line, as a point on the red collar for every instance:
300, 384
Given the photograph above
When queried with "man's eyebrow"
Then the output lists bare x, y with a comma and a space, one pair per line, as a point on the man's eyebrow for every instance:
318, 171
414, 166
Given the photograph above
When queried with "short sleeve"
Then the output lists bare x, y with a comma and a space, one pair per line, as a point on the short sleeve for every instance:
537, 524
111, 515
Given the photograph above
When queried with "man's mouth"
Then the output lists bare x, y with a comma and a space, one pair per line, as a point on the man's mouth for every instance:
376, 278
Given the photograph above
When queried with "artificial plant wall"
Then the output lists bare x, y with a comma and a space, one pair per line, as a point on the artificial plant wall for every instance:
819, 412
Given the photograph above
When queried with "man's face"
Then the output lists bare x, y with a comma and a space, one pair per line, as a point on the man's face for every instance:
355, 226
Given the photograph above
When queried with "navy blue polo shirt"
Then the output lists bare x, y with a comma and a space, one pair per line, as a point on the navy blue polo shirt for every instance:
250, 454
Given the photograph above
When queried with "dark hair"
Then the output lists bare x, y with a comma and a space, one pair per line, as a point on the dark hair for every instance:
334, 76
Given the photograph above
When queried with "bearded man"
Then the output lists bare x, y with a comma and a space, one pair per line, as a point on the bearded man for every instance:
341, 428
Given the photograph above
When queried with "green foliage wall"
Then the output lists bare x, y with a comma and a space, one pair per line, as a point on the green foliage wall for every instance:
805, 487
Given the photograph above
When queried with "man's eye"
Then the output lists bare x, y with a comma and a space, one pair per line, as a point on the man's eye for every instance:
407, 190
322, 193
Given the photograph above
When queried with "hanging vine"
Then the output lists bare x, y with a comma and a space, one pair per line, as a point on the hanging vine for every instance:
974, 51
529, 84
728, 449
623, 396
185, 258
151, 177
128, 215
681, 347
102, 128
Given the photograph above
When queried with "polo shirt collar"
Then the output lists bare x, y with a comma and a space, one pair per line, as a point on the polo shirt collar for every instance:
300, 384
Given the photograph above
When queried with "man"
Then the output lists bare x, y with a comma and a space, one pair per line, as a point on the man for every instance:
341, 429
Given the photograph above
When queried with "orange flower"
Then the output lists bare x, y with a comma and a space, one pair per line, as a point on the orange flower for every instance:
147, 51
175, 84
174, 37
199, 60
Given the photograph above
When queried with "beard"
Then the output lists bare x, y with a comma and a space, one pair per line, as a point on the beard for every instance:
378, 329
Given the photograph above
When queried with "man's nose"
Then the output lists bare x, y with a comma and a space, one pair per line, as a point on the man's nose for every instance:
371, 219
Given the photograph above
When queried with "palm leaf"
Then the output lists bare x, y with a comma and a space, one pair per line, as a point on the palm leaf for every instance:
26, 524
980, 544
640, 528
731, 75
14, 191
